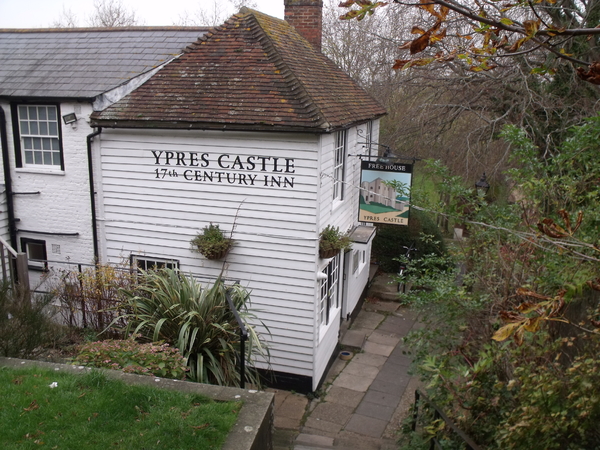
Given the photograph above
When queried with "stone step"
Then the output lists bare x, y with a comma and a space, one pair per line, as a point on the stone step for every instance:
312, 442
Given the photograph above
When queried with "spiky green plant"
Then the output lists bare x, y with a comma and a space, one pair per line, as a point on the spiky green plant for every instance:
172, 307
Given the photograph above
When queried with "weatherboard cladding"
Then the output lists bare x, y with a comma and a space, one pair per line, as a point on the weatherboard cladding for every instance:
253, 72
83, 63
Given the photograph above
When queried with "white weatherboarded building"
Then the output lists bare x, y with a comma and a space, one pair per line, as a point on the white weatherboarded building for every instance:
254, 130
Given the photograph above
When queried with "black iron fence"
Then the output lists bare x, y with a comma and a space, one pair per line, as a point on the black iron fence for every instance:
422, 402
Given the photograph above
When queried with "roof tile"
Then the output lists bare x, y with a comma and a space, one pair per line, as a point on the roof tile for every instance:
253, 71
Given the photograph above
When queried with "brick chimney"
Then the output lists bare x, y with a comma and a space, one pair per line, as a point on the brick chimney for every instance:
306, 16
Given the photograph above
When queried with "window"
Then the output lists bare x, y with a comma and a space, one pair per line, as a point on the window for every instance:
38, 136
338, 165
144, 263
329, 291
36, 253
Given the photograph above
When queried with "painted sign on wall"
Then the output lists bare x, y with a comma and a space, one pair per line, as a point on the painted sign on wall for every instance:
253, 170
385, 192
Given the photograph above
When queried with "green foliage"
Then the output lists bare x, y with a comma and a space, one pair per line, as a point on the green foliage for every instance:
25, 322
55, 409
512, 333
157, 359
168, 306
212, 243
332, 239
421, 231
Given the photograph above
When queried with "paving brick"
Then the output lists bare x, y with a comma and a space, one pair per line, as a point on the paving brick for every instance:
391, 373
380, 337
396, 388
368, 320
331, 428
375, 411
370, 359
348, 440
397, 325
367, 426
354, 382
311, 439
378, 349
332, 412
364, 370
343, 396
382, 398
354, 338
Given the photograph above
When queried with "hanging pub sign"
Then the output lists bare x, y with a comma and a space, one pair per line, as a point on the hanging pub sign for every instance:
385, 192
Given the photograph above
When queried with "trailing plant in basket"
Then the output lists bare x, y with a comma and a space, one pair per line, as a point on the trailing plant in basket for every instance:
332, 241
171, 307
211, 242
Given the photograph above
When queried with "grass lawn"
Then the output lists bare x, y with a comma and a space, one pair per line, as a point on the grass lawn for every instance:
91, 411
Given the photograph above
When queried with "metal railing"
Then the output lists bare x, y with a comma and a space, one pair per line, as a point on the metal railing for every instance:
438, 414
243, 339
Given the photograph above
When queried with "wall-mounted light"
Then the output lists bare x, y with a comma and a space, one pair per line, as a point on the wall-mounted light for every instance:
69, 118
321, 276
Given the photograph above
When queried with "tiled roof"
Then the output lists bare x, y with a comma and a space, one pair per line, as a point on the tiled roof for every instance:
253, 72
84, 62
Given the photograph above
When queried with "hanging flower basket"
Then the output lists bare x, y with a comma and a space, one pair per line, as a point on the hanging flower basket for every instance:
332, 242
212, 243
328, 253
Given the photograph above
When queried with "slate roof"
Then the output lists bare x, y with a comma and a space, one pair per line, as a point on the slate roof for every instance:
254, 72
84, 62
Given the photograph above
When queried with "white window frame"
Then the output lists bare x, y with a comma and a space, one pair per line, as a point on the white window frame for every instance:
39, 136
339, 164
329, 297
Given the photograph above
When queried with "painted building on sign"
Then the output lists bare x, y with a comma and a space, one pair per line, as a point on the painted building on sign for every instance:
250, 128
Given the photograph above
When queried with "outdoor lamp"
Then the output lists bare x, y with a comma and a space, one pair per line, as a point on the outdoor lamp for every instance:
482, 186
69, 118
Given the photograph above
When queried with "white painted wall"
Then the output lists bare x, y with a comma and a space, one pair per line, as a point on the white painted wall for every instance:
63, 202
275, 228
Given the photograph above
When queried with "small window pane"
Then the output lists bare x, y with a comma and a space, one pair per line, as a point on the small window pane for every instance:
37, 157
27, 143
48, 158
37, 143
55, 145
52, 128
33, 128
56, 159
23, 112
51, 113
32, 113
44, 128
24, 127
28, 157
42, 112
47, 144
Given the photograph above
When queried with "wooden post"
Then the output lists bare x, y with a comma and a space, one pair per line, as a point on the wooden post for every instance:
23, 271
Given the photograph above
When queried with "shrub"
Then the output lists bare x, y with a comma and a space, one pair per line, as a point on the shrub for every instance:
89, 298
171, 307
390, 240
25, 322
157, 359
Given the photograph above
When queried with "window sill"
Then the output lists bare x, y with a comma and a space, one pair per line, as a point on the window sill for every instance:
40, 171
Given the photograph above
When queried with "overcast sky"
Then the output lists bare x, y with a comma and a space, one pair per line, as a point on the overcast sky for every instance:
42, 13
